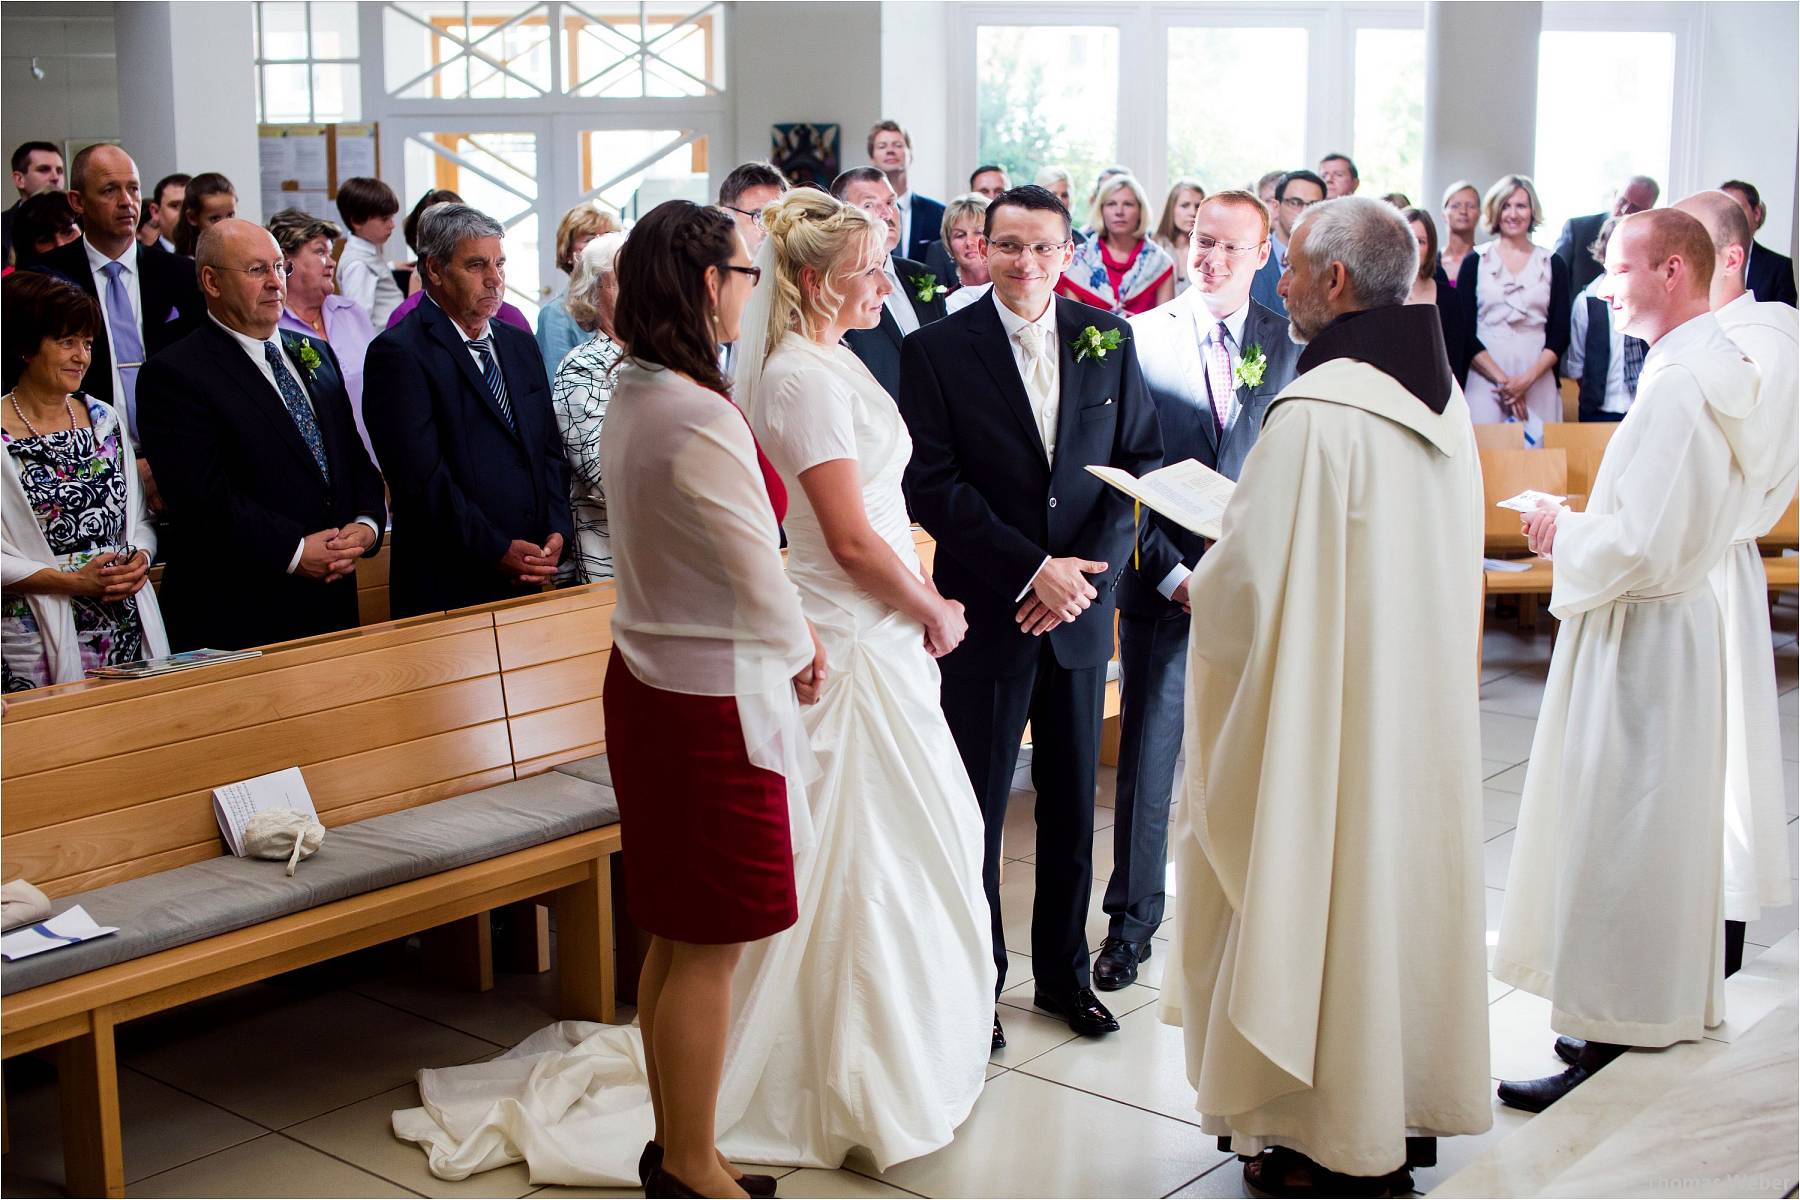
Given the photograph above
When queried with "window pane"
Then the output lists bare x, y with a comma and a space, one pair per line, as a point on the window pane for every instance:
284, 95
431, 53
334, 28
1390, 111
337, 92
1621, 82
1213, 137
614, 168
283, 31
615, 56
496, 172
1048, 95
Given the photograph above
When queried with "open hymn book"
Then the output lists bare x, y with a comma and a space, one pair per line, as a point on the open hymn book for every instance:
1189, 493
235, 803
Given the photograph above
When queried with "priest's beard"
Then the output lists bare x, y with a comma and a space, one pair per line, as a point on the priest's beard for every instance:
1294, 335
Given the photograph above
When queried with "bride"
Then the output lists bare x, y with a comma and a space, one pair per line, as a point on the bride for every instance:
865, 1024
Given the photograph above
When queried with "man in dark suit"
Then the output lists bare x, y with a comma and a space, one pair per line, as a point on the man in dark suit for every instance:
917, 297
1008, 402
272, 496
1769, 275
1212, 360
148, 298
465, 432
891, 151
1578, 233
36, 167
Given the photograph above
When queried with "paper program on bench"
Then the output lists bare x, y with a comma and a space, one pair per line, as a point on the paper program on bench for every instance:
236, 803
1189, 493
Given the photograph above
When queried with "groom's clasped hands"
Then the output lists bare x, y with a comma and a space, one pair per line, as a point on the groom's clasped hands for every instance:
1059, 592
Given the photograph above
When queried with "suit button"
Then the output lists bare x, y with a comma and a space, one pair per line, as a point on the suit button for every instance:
1053, 502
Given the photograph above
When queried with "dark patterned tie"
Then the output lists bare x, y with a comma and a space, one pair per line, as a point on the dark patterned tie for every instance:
298, 408
490, 371
1635, 349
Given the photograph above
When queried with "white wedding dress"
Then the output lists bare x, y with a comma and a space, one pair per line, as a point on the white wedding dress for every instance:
867, 1023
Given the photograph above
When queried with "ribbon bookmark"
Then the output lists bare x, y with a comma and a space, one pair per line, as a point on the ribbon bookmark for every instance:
1137, 515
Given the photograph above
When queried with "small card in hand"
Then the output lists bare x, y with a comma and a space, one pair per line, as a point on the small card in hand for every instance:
1528, 501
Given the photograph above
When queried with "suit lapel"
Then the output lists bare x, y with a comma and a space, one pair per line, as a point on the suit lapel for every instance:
891, 328
261, 394
437, 324
988, 337
1076, 379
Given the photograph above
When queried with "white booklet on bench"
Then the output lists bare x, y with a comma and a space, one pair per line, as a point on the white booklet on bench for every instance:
1189, 493
236, 803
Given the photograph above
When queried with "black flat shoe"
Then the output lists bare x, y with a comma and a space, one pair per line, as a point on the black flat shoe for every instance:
999, 1035
1535, 1095
1569, 1049
1117, 965
1081, 1009
650, 1162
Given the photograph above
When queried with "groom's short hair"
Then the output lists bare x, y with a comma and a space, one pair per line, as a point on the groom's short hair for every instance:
1026, 195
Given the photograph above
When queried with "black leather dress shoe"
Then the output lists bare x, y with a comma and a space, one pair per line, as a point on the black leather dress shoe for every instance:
650, 1162
1569, 1049
1535, 1095
1116, 967
1081, 1009
999, 1034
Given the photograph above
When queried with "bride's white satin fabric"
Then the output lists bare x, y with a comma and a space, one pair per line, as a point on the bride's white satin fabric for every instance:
866, 1024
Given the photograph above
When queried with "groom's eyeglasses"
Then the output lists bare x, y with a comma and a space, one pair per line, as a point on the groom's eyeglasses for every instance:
755, 273
1011, 249
755, 217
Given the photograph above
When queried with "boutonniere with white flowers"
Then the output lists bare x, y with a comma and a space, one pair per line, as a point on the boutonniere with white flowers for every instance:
1096, 345
927, 288
1250, 368
307, 353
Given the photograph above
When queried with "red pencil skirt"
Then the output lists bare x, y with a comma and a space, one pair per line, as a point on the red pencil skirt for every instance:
706, 850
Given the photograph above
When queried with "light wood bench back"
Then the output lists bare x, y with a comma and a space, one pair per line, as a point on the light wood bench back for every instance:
1585, 442
1506, 473
1785, 533
1504, 435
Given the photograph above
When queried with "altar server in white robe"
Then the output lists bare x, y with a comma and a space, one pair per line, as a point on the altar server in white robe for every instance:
1756, 849
1615, 902
1328, 959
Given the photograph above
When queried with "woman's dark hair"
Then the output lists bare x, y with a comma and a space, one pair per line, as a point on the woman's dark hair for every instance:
40, 306
43, 215
663, 313
409, 228
1429, 267
199, 188
1028, 196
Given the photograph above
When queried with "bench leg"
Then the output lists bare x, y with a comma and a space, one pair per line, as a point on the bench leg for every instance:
462, 953
88, 1087
1110, 731
584, 944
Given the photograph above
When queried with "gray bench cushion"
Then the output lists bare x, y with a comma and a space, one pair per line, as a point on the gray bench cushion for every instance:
187, 904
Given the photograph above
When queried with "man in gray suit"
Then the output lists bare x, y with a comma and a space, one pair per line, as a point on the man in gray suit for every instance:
1212, 360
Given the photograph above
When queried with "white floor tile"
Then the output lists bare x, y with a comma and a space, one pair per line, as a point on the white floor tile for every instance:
1520, 1037
1455, 1153
1519, 694
1143, 1065
828, 1184
362, 1134
1496, 856
272, 1165
1504, 737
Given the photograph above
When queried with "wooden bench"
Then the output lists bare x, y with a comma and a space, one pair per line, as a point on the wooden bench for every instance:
110, 781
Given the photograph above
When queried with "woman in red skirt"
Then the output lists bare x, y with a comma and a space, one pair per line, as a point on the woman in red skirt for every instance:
711, 659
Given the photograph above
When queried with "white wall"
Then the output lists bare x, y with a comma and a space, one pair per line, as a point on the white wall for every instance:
77, 100
1480, 92
1749, 111
805, 62
915, 90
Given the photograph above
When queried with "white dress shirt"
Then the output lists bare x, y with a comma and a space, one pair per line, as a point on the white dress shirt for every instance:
903, 210
1045, 410
897, 302
259, 358
97, 262
364, 276
474, 355
1617, 399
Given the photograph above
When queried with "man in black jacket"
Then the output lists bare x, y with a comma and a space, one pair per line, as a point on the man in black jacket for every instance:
458, 407
918, 295
1575, 245
272, 496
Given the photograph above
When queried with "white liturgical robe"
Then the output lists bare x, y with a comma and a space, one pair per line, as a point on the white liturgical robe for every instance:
1328, 959
1614, 901
1756, 849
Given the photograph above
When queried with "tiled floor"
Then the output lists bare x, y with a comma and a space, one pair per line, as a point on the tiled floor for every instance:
284, 1088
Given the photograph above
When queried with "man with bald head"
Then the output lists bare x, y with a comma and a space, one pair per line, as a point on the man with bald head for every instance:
147, 297
272, 498
1637, 194
1616, 884
1756, 857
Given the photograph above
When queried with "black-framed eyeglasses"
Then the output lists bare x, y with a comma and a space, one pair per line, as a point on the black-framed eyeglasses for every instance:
1297, 202
755, 273
755, 216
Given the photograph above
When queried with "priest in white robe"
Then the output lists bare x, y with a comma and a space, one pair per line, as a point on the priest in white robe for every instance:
1328, 950
1615, 902
1756, 845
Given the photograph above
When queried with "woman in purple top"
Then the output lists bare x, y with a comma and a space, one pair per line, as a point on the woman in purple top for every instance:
313, 308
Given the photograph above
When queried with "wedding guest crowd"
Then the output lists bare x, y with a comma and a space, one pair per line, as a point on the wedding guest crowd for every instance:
558, 332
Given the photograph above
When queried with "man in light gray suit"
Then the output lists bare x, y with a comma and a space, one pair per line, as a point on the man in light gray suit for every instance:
1212, 360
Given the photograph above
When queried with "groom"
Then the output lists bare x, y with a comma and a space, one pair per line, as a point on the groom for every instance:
1008, 401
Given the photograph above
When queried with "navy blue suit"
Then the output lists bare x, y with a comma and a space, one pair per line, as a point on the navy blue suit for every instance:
1770, 275
927, 227
879, 348
465, 482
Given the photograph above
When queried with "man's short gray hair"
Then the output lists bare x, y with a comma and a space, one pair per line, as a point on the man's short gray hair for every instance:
1373, 241
443, 227
1644, 181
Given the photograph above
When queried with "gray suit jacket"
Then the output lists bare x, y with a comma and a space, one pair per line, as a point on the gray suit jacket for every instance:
1169, 341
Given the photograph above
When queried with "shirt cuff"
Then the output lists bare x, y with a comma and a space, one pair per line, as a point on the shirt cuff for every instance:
1027, 588
370, 522
1174, 579
294, 563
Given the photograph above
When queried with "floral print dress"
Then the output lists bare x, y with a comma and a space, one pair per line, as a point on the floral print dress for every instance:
77, 490
579, 395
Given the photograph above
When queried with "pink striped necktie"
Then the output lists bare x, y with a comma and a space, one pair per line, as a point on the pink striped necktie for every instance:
1218, 376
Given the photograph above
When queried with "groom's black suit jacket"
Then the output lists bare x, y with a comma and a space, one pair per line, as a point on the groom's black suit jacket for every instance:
979, 481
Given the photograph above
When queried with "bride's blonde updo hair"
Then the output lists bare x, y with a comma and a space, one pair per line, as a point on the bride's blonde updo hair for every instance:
809, 228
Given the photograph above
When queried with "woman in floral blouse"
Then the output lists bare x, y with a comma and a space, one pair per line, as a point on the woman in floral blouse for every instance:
1121, 268
75, 537
579, 396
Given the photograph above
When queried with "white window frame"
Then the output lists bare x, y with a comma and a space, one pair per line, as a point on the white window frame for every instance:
310, 61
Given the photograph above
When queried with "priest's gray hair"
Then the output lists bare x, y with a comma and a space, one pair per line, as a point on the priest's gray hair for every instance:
1373, 241
443, 227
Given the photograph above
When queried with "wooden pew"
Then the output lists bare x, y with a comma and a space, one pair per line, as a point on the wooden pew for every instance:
1585, 444
1505, 435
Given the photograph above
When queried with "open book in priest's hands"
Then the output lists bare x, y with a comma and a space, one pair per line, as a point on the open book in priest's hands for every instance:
1189, 493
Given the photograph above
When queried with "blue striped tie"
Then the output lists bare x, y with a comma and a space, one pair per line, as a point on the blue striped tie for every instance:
305, 420
490, 371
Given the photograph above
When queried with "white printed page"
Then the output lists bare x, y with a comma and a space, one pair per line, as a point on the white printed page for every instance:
1190, 493
236, 803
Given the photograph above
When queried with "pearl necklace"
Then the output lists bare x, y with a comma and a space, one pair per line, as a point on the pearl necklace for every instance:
68, 407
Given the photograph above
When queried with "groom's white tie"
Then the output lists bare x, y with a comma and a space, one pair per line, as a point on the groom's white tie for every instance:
1040, 387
